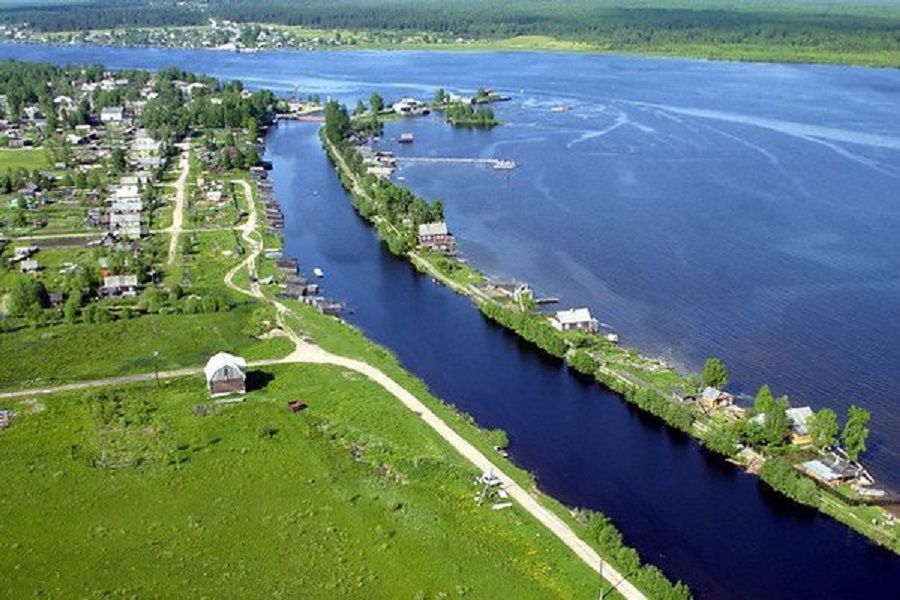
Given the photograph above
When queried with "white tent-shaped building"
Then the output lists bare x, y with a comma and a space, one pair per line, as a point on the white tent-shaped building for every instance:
225, 374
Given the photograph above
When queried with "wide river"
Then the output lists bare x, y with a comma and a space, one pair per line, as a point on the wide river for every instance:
738, 210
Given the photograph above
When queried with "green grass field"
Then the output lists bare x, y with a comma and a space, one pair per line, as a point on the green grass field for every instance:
35, 357
29, 159
353, 498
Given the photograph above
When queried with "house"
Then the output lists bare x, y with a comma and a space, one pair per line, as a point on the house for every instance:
798, 424
125, 224
112, 114
30, 266
127, 205
575, 318
122, 286
831, 470
712, 398
225, 374
435, 236
798, 421
410, 107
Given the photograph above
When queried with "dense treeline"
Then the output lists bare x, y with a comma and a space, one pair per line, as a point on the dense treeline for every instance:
613, 23
65, 16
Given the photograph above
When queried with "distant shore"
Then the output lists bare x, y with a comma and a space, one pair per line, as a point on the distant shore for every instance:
193, 38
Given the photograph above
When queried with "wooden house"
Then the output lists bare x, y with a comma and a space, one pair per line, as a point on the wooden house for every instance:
798, 421
435, 236
712, 399
121, 286
225, 374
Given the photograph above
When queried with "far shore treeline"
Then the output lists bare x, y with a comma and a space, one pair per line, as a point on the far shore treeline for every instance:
865, 32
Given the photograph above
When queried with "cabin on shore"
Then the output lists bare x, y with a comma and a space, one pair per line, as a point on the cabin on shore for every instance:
831, 470
225, 374
798, 421
713, 398
575, 319
436, 236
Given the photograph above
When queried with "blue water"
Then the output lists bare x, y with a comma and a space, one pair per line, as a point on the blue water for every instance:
745, 211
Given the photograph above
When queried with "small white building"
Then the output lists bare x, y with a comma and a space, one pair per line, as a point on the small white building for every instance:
112, 114
575, 318
225, 374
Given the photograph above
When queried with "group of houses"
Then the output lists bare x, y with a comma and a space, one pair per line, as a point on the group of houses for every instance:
273, 213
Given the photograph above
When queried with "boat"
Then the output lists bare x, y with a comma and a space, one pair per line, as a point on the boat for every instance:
612, 337
504, 164
561, 108
318, 272
406, 138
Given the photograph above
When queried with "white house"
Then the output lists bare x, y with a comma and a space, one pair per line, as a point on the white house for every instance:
575, 318
112, 114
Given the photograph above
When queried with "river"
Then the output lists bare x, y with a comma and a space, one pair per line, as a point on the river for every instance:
701, 208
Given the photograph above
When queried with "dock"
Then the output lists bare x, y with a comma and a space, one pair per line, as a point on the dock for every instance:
496, 163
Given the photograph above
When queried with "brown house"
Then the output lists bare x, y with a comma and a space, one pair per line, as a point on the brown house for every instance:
435, 236
225, 374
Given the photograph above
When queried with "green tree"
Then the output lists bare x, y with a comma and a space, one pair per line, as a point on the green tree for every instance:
360, 108
856, 431
824, 428
764, 399
26, 296
376, 102
72, 308
117, 160
776, 422
714, 373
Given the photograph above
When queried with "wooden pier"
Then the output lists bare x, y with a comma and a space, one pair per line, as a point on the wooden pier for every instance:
496, 163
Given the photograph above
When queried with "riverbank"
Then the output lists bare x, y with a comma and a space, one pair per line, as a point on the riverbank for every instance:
281, 38
642, 381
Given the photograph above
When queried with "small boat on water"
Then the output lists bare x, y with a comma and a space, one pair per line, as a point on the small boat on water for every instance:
504, 164
561, 108
318, 272
406, 138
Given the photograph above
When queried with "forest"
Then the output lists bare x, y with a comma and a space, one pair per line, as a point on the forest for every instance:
817, 26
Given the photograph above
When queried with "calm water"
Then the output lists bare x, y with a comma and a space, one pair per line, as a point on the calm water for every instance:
745, 211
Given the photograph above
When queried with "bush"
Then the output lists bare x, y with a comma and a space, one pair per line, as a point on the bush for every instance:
780, 475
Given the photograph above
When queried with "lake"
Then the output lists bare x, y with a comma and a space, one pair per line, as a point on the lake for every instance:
700, 208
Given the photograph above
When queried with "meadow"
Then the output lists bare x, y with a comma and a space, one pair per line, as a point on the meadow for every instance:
160, 493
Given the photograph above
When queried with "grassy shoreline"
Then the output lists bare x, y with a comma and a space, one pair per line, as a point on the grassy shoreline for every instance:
727, 52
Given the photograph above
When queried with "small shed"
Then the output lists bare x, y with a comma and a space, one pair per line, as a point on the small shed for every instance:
225, 374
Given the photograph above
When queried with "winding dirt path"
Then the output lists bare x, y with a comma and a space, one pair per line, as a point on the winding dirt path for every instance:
305, 352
